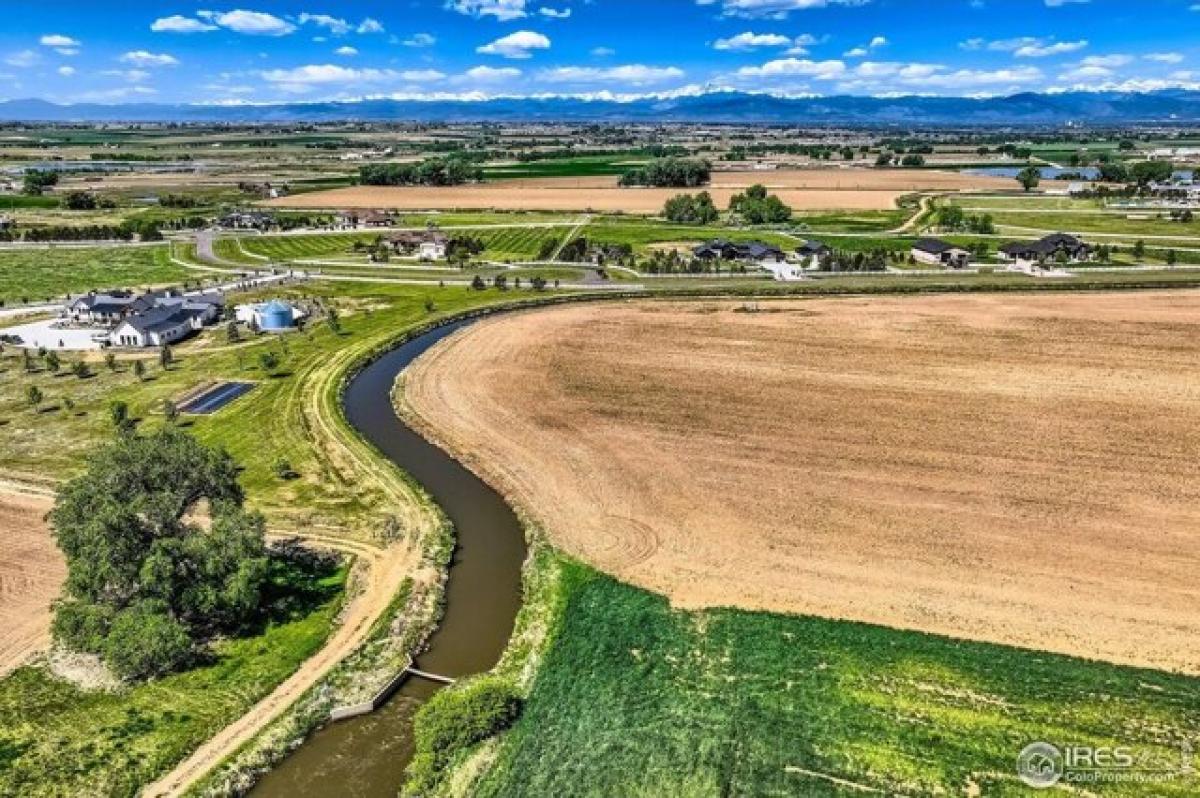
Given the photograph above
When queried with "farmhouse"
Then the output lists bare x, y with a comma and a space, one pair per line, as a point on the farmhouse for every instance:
378, 219
720, 249
427, 245
812, 253
247, 220
1059, 247
107, 308
935, 252
150, 319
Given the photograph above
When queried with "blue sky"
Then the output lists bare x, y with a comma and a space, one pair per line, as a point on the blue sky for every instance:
287, 50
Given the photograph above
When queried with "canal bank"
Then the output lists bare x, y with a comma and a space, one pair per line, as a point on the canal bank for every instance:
366, 756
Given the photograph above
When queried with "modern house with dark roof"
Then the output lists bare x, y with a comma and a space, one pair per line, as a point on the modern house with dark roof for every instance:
811, 253
1051, 249
150, 319
935, 252
720, 249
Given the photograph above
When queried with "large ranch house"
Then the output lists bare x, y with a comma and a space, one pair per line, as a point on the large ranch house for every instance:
935, 252
1056, 248
425, 245
755, 251
155, 318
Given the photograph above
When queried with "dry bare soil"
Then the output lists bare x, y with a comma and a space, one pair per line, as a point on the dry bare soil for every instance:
31, 573
813, 189
1019, 469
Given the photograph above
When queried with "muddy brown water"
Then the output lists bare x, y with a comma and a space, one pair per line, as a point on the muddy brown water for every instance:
365, 757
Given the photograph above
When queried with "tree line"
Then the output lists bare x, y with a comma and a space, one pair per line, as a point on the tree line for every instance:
429, 172
670, 173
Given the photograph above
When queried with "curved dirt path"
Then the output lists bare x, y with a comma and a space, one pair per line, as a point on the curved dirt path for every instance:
386, 569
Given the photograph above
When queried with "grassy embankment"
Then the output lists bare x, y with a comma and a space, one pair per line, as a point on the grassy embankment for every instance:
56, 739
39, 274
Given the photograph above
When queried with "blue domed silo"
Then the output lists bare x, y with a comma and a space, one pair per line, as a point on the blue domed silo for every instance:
276, 315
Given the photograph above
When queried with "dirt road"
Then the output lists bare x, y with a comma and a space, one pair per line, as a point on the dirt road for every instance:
1018, 469
385, 570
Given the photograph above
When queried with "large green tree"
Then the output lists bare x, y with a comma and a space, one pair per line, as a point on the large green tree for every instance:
149, 578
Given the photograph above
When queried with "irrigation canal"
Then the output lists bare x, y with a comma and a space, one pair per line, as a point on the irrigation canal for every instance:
365, 757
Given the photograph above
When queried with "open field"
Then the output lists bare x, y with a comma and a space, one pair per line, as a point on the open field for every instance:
31, 573
39, 274
726, 701
729, 702
991, 467
817, 189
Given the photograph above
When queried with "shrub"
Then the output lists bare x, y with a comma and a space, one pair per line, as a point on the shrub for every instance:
145, 641
454, 720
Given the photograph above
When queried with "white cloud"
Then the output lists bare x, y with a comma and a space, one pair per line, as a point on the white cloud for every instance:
144, 58
795, 67
180, 24
422, 75
58, 41
503, 10
633, 74
22, 58
303, 78
370, 25
127, 75
603, 52
335, 25
1042, 50
865, 50
345, 51
66, 71
1061, 3
773, 9
516, 45
1165, 58
420, 40
750, 41
1082, 73
253, 23
1108, 61
554, 13
487, 73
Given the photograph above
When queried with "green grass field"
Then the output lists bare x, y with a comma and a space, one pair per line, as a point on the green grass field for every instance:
503, 243
633, 698
56, 739
39, 274
581, 166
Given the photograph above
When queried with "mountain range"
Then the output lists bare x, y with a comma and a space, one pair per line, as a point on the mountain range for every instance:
1172, 106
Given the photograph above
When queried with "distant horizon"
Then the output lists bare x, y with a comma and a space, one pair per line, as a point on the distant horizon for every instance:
285, 51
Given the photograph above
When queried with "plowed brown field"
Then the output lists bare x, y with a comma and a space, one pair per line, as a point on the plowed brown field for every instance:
31, 573
1023, 469
814, 189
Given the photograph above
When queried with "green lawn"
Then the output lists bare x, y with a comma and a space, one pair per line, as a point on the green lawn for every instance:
57, 740
633, 698
39, 274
